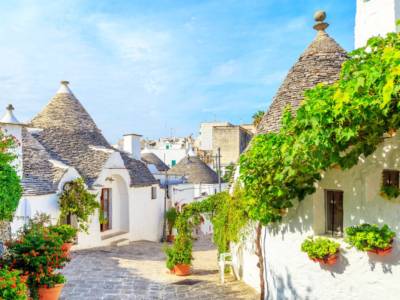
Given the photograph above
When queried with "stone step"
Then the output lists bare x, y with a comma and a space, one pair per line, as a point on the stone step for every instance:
112, 235
120, 242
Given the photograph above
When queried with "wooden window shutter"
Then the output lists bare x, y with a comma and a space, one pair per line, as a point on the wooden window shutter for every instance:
390, 178
334, 212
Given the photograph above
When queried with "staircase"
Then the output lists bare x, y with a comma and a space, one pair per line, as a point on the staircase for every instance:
116, 238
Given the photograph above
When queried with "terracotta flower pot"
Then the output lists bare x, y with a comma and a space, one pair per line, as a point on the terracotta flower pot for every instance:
182, 270
53, 293
392, 132
24, 278
66, 247
382, 252
329, 260
170, 238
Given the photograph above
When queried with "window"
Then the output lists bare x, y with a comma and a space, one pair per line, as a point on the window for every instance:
173, 162
167, 147
390, 178
334, 212
153, 192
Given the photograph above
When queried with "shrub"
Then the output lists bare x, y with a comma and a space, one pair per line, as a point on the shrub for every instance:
38, 253
11, 285
50, 280
181, 250
369, 237
320, 247
390, 192
66, 232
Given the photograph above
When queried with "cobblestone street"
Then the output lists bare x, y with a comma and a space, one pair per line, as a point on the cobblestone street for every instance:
137, 271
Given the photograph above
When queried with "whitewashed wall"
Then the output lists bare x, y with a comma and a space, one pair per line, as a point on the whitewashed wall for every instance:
375, 17
357, 275
146, 214
29, 206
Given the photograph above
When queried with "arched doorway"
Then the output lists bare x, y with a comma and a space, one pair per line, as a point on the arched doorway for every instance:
114, 200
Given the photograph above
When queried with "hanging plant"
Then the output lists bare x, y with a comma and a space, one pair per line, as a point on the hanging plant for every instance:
77, 201
389, 192
371, 238
321, 250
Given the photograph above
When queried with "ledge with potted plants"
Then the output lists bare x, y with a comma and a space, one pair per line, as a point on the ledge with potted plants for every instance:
371, 238
364, 237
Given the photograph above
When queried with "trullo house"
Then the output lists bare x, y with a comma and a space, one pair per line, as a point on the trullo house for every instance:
342, 198
63, 143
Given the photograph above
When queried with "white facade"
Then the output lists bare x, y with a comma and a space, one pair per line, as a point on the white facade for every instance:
12, 127
375, 17
134, 214
170, 150
205, 139
290, 274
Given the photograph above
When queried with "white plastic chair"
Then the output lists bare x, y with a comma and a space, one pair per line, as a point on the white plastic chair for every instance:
225, 259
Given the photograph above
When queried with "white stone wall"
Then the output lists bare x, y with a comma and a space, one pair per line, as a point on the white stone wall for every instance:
146, 214
375, 17
133, 210
357, 275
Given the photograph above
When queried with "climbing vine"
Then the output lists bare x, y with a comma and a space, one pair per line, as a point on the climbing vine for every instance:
226, 214
77, 201
10, 186
335, 125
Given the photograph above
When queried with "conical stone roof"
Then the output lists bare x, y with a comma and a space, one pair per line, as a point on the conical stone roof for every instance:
321, 62
151, 158
40, 175
65, 112
70, 135
195, 170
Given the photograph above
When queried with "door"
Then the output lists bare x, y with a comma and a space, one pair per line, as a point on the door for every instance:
334, 212
105, 209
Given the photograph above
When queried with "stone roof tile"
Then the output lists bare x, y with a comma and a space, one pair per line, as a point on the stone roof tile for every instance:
320, 63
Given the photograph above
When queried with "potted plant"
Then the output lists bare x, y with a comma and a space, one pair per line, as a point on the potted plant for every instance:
321, 250
38, 253
171, 215
179, 256
67, 234
371, 238
51, 286
12, 286
389, 192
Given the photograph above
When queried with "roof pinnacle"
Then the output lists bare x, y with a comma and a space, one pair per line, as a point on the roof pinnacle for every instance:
9, 117
64, 89
320, 17
10, 107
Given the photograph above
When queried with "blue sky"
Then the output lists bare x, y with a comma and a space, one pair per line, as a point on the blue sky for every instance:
156, 67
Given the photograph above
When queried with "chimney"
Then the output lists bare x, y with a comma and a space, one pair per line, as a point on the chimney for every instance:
132, 145
10, 125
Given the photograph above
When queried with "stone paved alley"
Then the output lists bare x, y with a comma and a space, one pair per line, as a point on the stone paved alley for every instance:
137, 271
